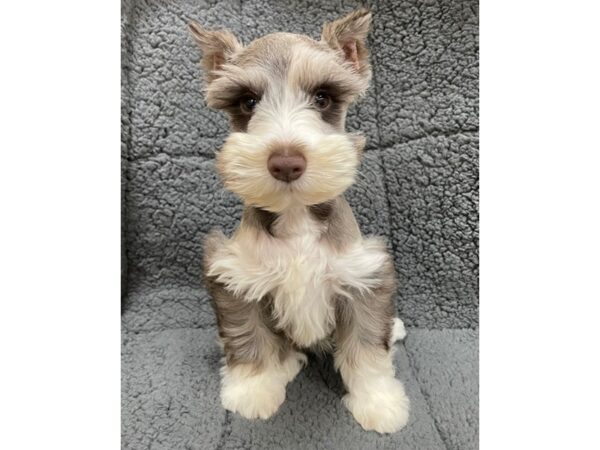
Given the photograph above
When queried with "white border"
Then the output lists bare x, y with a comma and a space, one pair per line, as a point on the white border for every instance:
539, 225
60, 235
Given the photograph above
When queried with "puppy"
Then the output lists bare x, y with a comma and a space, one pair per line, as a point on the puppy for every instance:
297, 274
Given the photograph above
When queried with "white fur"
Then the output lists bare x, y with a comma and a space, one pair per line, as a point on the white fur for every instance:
258, 395
284, 114
375, 398
330, 169
298, 270
398, 330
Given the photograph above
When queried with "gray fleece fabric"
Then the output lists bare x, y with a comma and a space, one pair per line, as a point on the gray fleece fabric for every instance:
417, 187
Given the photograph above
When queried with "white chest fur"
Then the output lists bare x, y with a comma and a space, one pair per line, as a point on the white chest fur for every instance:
299, 269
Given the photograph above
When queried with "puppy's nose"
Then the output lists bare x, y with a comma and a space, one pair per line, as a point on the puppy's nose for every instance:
286, 167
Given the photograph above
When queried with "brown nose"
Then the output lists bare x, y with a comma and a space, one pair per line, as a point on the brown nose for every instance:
286, 167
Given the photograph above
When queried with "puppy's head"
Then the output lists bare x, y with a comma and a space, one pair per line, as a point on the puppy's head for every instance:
287, 96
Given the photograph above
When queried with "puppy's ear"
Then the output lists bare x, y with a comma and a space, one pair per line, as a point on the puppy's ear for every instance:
349, 35
217, 47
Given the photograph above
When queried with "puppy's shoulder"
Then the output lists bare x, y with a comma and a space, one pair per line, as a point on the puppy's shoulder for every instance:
342, 228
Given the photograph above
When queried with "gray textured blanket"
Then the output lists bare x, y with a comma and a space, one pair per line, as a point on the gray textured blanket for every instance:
418, 187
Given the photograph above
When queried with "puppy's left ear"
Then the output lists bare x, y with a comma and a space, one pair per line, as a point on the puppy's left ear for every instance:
349, 35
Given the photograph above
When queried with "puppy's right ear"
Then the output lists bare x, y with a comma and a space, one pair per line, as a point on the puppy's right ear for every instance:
217, 47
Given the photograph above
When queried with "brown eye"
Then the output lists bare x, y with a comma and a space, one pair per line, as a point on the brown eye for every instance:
322, 100
248, 103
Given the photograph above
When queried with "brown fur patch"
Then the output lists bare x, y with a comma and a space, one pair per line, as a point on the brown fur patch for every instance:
367, 320
246, 329
348, 35
342, 228
218, 46
259, 219
322, 211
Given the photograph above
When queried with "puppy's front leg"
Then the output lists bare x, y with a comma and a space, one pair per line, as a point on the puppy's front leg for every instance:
258, 362
375, 397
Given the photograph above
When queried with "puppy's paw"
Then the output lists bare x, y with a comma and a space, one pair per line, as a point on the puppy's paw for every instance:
254, 397
398, 330
293, 364
384, 410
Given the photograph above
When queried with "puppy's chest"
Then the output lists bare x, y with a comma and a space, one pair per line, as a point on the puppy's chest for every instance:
294, 267
299, 270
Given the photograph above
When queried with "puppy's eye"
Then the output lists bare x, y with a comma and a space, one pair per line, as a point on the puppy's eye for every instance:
248, 103
322, 100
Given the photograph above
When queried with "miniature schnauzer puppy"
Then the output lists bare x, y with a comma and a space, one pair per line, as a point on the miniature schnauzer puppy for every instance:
297, 274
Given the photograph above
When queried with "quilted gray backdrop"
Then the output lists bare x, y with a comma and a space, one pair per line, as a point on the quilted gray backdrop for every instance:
418, 187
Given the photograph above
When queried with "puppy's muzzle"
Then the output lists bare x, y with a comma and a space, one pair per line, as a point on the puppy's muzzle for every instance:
286, 168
